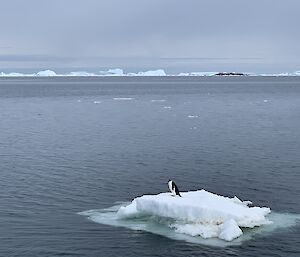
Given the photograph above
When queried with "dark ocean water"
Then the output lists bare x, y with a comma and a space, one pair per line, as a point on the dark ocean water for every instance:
67, 146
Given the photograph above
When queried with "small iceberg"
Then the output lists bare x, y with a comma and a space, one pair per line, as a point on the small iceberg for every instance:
158, 100
159, 73
199, 213
123, 98
46, 73
197, 217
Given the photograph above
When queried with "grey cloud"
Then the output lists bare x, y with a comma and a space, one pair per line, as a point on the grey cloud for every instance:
144, 33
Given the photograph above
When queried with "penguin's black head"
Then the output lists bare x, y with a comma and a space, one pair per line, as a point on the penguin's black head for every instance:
169, 180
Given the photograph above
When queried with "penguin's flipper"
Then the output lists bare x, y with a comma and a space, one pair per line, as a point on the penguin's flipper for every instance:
177, 191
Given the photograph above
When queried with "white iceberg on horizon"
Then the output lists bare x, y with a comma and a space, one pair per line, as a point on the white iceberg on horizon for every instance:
46, 73
14, 74
80, 74
120, 72
197, 73
112, 72
199, 213
158, 72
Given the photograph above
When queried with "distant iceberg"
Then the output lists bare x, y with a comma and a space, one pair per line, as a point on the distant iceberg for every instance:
201, 74
112, 72
297, 73
120, 72
80, 74
15, 74
46, 73
159, 72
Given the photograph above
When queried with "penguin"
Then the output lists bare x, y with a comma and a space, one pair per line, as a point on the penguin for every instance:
173, 188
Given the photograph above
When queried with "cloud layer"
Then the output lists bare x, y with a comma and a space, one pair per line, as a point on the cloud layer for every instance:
141, 34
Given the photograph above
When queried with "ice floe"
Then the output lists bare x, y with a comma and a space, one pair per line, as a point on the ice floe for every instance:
123, 98
158, 100
197, 207
197, 217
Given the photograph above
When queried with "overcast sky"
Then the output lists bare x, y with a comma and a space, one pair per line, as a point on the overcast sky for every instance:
176, 35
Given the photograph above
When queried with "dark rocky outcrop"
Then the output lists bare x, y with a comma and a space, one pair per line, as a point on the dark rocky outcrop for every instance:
230, 74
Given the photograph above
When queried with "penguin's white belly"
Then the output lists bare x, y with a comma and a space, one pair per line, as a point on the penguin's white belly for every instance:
170, 187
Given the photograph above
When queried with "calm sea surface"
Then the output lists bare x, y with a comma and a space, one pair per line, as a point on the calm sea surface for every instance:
72, 144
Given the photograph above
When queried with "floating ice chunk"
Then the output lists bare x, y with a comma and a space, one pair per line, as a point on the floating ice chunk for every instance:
97, 102
201, 74
158, 100
198, 233
120, 72
128, 211
199, 213
265, 101
167, 107
80, 74
158, 72
13, 74
46, 73
238, 201
296, 73
123, 98
193, 116
203, 230
230, 230
112, 72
